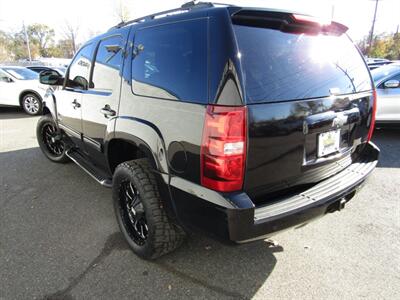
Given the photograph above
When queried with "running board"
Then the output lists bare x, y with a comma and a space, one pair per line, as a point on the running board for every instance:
97, 174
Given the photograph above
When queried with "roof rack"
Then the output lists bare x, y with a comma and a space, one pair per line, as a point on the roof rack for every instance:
184, 8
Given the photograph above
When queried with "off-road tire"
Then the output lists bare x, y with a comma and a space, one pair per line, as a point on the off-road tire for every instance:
163, 236
47, 120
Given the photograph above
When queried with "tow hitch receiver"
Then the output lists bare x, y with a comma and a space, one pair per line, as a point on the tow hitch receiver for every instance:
342, 204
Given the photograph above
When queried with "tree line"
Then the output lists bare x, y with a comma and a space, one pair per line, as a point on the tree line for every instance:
42, 43
383, 46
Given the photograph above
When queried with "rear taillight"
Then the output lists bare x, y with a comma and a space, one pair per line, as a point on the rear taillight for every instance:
372, 123
223, 149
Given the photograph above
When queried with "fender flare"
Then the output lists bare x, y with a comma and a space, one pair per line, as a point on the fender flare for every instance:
157, 161
145, 135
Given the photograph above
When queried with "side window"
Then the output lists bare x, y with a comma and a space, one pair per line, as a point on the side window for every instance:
170, 62
79, 70
4, 77
108, 63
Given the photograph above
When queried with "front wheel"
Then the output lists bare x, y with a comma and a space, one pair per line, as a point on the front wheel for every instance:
50, 140
31, 104
140, 213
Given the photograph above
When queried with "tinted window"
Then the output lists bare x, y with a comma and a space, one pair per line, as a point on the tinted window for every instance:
171, 61
280, 66
80, 68
108, 63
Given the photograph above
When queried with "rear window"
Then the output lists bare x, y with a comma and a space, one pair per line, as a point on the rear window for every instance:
279, 66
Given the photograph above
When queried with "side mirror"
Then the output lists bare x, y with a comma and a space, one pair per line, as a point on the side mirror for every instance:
80, 82
392, 84
50, 77
6, 79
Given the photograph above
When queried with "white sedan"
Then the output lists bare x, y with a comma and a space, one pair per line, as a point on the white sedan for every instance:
20, 86
387, 82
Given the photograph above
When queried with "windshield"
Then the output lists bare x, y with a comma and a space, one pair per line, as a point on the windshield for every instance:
280, 66
382, 72
21, 73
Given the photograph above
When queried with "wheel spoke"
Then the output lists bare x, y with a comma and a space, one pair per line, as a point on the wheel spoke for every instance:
134, 215
127, 194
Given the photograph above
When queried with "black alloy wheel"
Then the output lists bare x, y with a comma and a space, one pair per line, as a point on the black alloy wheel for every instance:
132, 212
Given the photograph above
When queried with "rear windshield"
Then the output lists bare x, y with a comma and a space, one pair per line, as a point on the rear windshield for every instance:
279, 66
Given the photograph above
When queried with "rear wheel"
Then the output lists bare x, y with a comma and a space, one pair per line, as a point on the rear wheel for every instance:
31, 104
50, 140
140, 212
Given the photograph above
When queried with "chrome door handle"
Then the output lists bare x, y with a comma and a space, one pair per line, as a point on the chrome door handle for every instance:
107, 111
76, 104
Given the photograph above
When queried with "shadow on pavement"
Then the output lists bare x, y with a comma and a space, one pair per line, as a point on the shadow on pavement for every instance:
7, 113
68, 219
388, 140
233, 271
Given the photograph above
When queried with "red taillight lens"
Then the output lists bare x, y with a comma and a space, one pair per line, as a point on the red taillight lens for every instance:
372, 123
223, 149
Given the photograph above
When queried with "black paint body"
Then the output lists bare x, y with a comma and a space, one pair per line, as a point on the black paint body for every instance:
282, 135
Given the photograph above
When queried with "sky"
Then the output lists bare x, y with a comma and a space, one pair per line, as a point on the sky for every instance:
96, 16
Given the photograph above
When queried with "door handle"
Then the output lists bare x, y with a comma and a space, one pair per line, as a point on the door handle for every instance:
107, 111
76, 104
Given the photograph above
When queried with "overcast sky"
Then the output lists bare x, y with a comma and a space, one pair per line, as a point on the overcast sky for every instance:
96, 16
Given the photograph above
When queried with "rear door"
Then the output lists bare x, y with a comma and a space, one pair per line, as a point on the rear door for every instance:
100, 102
309, 98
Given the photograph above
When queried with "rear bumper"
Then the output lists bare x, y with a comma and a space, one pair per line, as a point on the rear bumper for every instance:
240, 221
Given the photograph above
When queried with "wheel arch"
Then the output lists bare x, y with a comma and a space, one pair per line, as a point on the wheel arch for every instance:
26, 92
127, 147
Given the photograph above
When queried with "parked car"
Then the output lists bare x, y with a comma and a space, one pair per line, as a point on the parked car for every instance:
236, 122
20, 86
387, 82
39, 69
375, 63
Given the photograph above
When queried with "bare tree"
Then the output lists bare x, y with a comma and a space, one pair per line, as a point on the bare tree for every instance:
122, 11
71, 32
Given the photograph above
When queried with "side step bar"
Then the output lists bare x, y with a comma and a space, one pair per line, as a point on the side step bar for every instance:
89, 168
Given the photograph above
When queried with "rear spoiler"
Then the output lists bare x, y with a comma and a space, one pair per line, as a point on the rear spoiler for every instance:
287, 22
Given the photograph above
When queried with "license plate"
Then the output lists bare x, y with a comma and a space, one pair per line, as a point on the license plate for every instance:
328, 142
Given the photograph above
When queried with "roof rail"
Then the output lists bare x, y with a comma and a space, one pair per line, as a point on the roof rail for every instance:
184, 8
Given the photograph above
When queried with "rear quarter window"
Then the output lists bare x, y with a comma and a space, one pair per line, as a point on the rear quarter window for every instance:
170, 61
279, 66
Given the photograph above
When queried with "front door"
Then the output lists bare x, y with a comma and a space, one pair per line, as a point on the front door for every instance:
100, 102
8, 90
69, 99
389, 102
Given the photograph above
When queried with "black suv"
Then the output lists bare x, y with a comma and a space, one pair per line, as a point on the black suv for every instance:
238, 122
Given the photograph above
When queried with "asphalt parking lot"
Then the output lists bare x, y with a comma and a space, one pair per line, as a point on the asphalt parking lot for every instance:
59, 240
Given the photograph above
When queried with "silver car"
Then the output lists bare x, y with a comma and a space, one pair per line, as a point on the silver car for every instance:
387, 82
